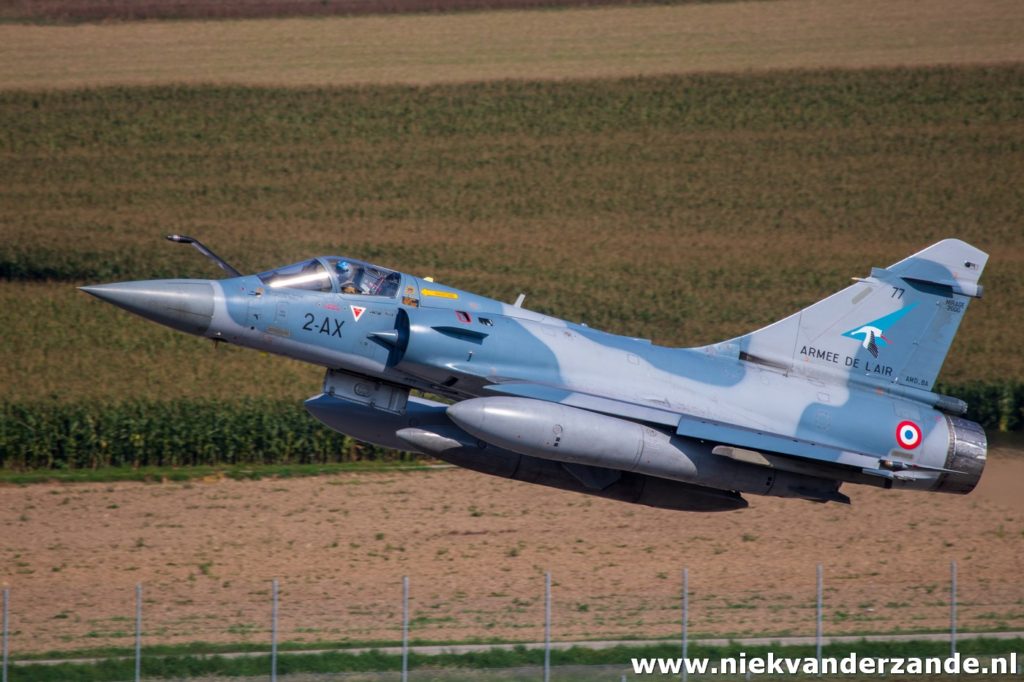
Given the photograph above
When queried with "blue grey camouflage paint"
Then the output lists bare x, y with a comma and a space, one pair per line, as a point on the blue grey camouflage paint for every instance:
840, 392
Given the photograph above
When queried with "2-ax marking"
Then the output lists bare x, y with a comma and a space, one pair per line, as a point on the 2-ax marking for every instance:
330, 325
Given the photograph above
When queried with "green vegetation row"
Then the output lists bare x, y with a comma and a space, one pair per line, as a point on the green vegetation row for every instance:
998, 406
185, 666
173, 433
187, 433
44, 264
787, 100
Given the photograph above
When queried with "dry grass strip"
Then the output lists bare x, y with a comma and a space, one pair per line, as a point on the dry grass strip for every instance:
538, 44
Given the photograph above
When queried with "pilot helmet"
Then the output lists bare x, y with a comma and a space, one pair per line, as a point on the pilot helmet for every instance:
343, 267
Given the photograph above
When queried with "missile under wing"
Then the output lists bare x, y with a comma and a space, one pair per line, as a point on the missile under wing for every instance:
840, 392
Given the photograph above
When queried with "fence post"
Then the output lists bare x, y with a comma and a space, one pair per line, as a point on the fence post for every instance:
138, 632
405, 628
952, 608
547, 627
686, 616
818, 633
273, 631
7, 614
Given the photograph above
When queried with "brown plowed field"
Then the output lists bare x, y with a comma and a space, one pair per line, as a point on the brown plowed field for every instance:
476, 549
72, 11
609, 42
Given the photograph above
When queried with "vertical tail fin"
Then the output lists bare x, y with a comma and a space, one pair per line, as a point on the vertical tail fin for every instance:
895, 326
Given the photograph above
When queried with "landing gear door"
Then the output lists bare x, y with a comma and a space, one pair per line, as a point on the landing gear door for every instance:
366, 391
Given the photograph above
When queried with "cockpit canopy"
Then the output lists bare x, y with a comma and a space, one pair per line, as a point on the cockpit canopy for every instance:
337, 274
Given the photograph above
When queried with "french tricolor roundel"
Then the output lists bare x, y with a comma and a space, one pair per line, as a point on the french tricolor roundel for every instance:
908, 435
357, 311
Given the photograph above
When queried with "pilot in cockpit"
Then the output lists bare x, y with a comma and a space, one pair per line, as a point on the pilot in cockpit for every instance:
347, 276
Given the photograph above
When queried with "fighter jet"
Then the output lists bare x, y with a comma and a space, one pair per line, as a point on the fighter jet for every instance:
840, 392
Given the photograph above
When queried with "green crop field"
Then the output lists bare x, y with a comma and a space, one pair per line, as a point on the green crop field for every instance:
688, 209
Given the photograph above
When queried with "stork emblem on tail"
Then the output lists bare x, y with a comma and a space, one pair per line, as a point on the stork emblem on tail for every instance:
872, 335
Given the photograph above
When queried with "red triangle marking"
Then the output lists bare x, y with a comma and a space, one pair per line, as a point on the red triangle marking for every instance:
357, 311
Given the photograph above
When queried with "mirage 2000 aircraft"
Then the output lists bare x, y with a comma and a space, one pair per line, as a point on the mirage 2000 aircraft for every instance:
840, 392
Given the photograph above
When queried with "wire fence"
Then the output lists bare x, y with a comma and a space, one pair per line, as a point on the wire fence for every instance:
276, 616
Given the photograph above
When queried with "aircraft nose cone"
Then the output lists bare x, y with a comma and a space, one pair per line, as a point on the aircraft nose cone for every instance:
185, 305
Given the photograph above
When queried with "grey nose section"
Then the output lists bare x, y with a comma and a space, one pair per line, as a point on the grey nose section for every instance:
186, 305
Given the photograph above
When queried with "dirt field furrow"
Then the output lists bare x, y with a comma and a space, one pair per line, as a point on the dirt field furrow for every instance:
537, 44
476, 549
